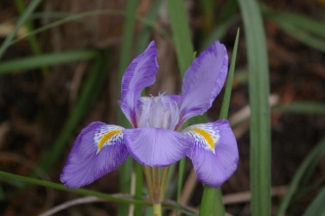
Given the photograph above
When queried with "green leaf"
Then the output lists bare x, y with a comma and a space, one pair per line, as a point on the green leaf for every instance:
184, 53
80, 16
260, 141
127, 199
125, 59
317, 207
33, 42
34, 62
307, 30
211, 203
90, 90
29, 10
302, 107
181, 34
307, 164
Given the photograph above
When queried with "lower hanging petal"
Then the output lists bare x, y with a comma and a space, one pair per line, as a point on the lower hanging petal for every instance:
215, 153
98, 150
156, 147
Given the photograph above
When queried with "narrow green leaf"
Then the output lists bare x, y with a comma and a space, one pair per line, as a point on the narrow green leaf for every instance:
302, 107
211, 203
146, 30
317, 207
312, 25
181, 34
125, 59
207, 7
80, 16
306, 29
28, 63
36, 48
29, 10
299, 33
119, 198
260, 141
138, 188
308, 163
76, 191
184, 53
227, 96
220, 31
90, 90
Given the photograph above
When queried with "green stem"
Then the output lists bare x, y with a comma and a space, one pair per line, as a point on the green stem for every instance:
156, 209
163, 182
156, 185
147, 174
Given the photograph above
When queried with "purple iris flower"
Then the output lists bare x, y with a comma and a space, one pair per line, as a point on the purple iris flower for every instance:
154, 140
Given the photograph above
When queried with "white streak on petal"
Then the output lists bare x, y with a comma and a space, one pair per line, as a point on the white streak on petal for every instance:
205, 135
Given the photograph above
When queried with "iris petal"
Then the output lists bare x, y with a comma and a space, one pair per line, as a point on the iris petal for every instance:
98, 150
156, 147
203, 81
140, 74
214, 154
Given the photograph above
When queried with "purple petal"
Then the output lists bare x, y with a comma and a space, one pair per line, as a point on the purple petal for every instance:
140, 74
98, 150
156, 146
204, 80
214, 154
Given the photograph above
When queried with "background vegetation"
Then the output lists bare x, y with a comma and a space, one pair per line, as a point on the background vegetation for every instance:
60, 68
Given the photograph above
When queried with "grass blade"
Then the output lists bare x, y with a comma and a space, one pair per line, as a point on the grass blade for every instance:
260, 140
302, 107
227, 96
125, 59
317, 207
88, 94
146, 29
184, 53
119, 198
29, 10
45, 60
211, 203
315, 155
308, 30
36, 48
181, 34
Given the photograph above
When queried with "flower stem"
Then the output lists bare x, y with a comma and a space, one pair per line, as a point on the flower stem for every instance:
163, 182
147, 174
156, 209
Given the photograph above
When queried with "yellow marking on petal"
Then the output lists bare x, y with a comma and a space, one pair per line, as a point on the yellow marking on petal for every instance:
208, 138
106, 137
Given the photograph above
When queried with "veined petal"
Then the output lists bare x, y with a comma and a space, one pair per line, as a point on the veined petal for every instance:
98, 150
215, 153
203, 81
140, 74
156, 146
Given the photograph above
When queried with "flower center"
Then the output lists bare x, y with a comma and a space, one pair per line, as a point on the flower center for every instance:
158, 112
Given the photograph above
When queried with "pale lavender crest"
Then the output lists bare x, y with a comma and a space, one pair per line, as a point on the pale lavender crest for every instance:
203, 81
140, 74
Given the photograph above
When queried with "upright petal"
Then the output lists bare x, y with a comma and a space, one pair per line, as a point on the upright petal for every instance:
98, 150
203, 81
214, 154
140, 74
156, 146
